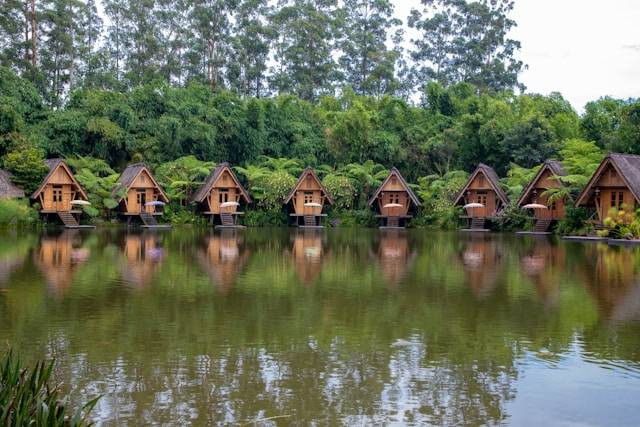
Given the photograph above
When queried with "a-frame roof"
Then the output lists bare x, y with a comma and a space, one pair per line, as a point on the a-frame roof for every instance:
553, 166
8, 188
53, 165
206, 187
627, 166
309, 171
128, 177
493, 179
395, 172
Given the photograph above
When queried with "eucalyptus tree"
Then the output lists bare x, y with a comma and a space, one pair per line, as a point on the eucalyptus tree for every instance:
466, 41
367, 63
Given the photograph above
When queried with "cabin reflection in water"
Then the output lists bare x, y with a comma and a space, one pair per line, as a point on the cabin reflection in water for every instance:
143, 255
395, 256
308, 253
223, 258
614, 281
481, 258
59, 257
542, 264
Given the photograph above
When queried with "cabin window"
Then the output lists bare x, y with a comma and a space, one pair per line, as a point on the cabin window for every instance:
308, 196
553, 206
617, 199
141, 198
482, 198
223, 196
57, 193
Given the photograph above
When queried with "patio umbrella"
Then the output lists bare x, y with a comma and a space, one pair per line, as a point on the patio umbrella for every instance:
229, 204
473, 205
80, 202
392, 205
313, 205
155, 203
534, 206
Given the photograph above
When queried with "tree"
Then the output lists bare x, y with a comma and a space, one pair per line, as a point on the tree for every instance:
366, 62
304, 48
466, 41
601, 120
26, 164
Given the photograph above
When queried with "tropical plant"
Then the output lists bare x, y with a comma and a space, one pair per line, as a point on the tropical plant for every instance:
341, 189
28, 397
182, 177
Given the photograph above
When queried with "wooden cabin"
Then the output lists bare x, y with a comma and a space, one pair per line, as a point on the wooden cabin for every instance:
59, 194
308, 255
58, 258
223, 259
395, 256
548, 177
142, 255
483, 188
307, 199
394, 201
615, 183
139, 195
8, 190
221, 195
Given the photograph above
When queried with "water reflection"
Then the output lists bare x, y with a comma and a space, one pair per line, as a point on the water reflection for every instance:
407, 327
143, 255
58, 258
481, 257
223, 257
394, 255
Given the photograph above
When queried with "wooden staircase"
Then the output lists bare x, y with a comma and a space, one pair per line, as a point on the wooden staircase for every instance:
226, 219
393, 221
542, 225
477, 223
68, 220
148, 219
310, 221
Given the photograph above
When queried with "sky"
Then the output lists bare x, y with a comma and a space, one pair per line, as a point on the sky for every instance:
584, 49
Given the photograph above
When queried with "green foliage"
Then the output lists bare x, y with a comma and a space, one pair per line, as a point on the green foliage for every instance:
26, 163
353, 218
518, 178
342, 190
437, 194
621, 224
98, 180
28, 397
17, 213
574, 221
182, 177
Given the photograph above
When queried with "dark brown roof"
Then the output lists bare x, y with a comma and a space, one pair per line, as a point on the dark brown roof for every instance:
205, 188
397, 173
493, 179
627, 166
552, 165
129, 175
7, 188
309, 170
53, 164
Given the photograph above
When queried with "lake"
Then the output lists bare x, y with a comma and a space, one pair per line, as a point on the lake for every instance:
328, 327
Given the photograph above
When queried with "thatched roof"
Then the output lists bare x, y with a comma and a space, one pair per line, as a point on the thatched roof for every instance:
492, 178
206, 187
395, 172
53, 165
7, 188
309, 171
128, 177
553, 166
627, 166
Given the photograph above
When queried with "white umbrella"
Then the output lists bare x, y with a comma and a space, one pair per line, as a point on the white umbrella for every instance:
155, 203
534, 206
392, 205
313, 205
229, 204
473, 205
80, 202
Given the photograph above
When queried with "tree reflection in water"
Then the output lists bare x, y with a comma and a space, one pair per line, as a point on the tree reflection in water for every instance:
411, 327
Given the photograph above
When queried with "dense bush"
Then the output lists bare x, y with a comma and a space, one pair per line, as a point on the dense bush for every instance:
17, 213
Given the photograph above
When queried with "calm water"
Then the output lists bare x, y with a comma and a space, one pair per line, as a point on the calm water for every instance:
331, 327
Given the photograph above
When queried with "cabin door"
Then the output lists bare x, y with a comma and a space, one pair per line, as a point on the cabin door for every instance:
58, 202
141, 199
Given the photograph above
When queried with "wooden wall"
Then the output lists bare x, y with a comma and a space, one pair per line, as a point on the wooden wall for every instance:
143, 185
613, 192
309, 190
481, 191
394, 192
224, 189
58, 192
555, 210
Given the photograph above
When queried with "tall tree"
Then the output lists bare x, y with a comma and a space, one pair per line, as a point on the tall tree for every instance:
466, 41
250, 44
305, 47
366, 62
